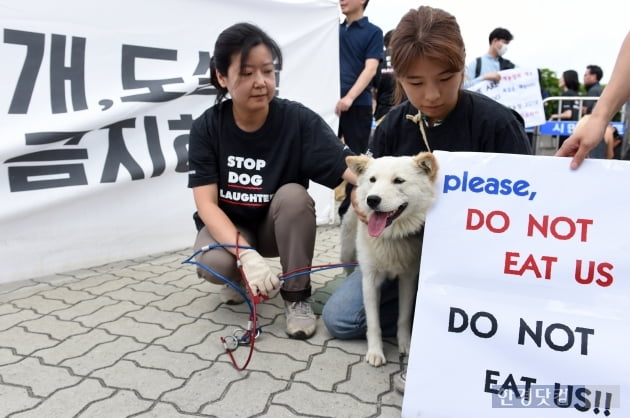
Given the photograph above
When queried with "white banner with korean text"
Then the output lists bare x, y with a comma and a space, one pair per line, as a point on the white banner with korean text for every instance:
519, 89
96, 103
522, 306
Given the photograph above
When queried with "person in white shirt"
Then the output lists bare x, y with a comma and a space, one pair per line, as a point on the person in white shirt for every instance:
487, 66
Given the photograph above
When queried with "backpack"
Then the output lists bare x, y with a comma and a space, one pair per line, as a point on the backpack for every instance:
503, 65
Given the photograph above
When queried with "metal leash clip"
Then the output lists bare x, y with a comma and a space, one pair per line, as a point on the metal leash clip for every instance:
242, 336
230, 343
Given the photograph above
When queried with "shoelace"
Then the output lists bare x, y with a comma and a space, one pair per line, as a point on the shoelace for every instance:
301, 308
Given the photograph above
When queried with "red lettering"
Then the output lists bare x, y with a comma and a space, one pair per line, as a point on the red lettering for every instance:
530, 264
479, 219
603, 269
561, 227
509, 262
476, 219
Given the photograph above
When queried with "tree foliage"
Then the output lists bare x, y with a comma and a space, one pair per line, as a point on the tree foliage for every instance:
549, 87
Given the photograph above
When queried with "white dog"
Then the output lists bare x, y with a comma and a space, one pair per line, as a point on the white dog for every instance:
394, 193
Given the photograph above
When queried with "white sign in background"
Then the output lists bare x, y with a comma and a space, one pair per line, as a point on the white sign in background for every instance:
91, 169
519, 89
524, 285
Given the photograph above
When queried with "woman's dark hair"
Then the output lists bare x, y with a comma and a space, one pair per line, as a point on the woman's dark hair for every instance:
240, 37
427, 33
571, 80
387, 38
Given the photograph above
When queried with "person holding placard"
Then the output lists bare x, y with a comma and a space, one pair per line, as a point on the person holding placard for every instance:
487, 66
428, 55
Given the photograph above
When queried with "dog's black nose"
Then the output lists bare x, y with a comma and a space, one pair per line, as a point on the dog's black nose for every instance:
373, 201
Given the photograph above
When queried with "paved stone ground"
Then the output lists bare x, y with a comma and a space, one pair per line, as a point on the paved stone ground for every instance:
141, 338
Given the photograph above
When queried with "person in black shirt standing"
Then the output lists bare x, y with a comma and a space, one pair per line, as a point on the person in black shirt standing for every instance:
384, 83
569, 109
592, 77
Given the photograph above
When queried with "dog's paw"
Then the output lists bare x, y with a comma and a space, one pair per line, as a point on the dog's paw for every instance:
375, 358
404, 343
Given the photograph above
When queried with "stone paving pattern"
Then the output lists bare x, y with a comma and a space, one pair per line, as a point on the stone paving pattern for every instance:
141, 338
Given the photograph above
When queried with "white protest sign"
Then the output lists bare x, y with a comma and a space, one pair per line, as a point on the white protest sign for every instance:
524, 290
518, 89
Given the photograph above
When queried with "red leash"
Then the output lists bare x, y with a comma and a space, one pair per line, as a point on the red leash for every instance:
251, 332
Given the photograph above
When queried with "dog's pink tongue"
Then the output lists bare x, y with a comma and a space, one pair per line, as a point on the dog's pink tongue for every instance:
377, 223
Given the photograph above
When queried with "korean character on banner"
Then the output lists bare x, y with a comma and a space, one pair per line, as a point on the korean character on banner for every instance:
37, 176
202, 69
156, 92
61, 75
180, 143
118, 154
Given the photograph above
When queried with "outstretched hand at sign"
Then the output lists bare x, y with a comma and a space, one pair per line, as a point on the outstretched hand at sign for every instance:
586, 137
588, 133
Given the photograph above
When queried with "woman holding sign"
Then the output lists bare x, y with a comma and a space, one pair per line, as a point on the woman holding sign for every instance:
428, 57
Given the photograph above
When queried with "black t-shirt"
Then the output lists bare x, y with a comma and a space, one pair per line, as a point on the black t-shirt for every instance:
593, 90
294, 145
385, 86
476, 124
572, 105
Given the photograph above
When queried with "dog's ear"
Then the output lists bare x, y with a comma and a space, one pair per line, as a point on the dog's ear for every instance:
427, 163
357, 163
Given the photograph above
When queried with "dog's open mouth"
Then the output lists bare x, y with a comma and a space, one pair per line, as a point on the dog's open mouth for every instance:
378, 221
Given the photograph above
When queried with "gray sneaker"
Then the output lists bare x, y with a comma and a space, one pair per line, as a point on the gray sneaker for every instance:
230, 296
301, 322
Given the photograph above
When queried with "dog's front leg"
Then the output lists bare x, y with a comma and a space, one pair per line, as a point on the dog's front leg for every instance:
407, 289
348, 253
372, 303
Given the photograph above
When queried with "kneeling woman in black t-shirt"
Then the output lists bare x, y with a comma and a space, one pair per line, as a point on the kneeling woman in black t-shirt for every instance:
251, 158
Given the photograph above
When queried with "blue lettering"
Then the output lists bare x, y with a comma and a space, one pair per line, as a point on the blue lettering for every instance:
520, 188
490, 185
475, 184
451, 183
493, 186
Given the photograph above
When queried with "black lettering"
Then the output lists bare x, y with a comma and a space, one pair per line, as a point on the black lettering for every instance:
156, 87
118, 154
451, 320
153, 142
34, 43
36, 176
490, 381
59, 74
536, 336
180, 143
